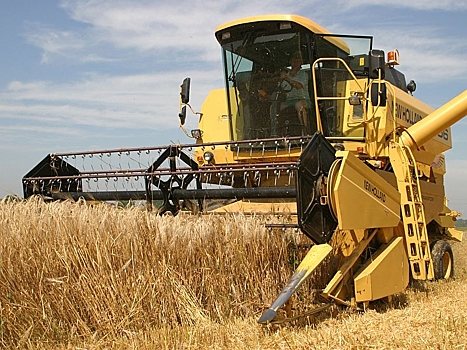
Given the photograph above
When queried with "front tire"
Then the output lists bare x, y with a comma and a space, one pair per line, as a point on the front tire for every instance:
443, 260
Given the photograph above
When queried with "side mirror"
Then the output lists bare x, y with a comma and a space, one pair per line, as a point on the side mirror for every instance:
185, 91
182, 115
377, 64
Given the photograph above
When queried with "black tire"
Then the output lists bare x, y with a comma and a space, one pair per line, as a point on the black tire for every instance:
443, 260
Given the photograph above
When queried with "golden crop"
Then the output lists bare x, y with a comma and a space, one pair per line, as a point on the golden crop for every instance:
79, 276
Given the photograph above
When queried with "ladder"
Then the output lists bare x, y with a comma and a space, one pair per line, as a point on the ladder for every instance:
412, 211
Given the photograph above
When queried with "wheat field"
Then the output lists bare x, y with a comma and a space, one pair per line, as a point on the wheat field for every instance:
75, 276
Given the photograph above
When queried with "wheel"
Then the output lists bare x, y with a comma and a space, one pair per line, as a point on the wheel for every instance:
443, 260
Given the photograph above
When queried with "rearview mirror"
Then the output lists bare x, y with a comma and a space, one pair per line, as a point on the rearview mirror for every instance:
185, 91
182, 115
377, 64
378, 97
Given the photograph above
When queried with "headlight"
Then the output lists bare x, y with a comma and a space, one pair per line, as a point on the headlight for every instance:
196, 133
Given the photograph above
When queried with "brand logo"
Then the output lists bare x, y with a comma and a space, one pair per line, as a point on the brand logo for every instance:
407, 115
375, 191
411, 117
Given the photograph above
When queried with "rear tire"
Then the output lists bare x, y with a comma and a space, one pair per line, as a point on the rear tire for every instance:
443, 260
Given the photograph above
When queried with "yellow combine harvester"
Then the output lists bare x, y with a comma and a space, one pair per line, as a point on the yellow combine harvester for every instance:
312, 123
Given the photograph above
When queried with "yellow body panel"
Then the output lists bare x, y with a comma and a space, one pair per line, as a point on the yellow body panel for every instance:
347, 240
215, 125
353, 116
432, 193
346, 265
214, 121
455, 234
313, 258
433, 199
361, 198
387, 273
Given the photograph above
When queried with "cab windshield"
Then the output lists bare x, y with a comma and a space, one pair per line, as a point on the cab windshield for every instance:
270, 86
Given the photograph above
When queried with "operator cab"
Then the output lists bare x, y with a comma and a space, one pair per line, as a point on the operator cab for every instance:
257, 54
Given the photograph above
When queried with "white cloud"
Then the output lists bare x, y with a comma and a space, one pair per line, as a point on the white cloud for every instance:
7, 131
134, 101
54, 42
443, 5
122, 30
162, 29
427, 55
17, 86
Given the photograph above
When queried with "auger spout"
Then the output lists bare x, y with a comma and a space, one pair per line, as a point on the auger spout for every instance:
451, 112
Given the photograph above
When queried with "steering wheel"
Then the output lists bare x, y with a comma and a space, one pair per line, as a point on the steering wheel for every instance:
281, 89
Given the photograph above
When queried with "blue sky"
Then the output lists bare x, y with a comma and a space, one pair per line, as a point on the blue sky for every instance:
87, 74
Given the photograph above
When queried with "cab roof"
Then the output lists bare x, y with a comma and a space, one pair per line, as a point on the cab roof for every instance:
300, 20
304, 22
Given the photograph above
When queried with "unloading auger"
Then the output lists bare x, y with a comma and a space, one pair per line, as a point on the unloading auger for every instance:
357, 157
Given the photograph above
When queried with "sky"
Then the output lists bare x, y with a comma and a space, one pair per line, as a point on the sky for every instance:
96, 74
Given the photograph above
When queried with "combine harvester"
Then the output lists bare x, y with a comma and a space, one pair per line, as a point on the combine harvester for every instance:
343, 144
